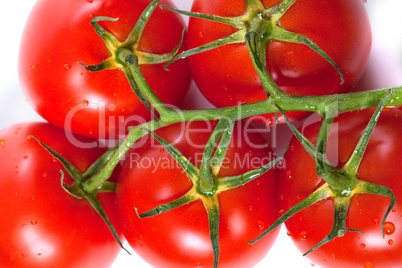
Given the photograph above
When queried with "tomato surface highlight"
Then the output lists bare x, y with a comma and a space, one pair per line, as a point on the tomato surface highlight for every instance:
226, 76
58, 36
41, 224
379, 166
150, 177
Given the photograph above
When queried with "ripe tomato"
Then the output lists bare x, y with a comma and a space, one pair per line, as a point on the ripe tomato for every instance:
41, 225
150, 177
58, 35
379, 165
227, 77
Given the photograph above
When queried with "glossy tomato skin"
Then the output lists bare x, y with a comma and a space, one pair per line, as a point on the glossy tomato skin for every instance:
42, 225
180, 238
227, 77
58, 35
380, 165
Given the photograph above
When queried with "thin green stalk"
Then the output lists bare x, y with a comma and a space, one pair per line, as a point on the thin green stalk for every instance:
106, 172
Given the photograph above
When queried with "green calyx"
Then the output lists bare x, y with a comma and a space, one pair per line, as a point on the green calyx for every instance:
77, 189
126, 55
207, 185
341, 184
263, 22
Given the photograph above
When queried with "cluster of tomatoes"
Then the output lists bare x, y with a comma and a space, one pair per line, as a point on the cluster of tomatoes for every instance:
49, 218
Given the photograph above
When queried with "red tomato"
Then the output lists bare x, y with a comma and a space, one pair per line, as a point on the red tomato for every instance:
380, 165
58, 35
41, 225
227, 77
180, 238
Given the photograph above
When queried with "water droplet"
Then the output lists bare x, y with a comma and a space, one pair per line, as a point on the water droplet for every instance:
333, 255
376, 221
362, 245
288, 233
112, 107
303, 235
21, 255
394, 210
289, 174
39, 254
2, 141
369, 265
33, 198
25, 157
67, 66
250, 208
34, 222
261, 225
44, 174
85, 103
390, 242
281, 212
389, 228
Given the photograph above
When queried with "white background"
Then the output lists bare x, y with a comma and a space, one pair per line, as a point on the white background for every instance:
385, 68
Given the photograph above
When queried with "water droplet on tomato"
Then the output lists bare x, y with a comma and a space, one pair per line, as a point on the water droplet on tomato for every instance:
90, 1
281, 212
303, 235
33, 66
369, 265
34, 222
112, 107
25, 157
2, 141
289, 174
250, 208
389, 228
85, 103
67, 66
390, 242
261, 225
376, 221
288, 233
39, 254
44, 174
394, 210
21, 255
362, 245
